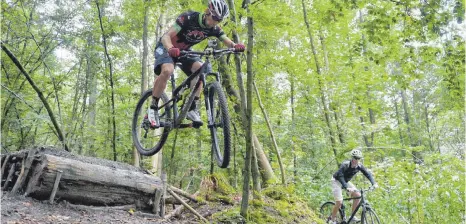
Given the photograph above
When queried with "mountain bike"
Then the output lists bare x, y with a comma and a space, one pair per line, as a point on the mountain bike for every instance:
368, 215
173, 111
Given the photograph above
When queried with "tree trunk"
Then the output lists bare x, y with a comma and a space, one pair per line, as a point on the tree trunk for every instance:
91, 87
293, 149
333, 106
321, 88
255, 176
429, 132
110, 64
248, 115
144, 78
272, 136
156, 160
264, 164
397, 113
417, 158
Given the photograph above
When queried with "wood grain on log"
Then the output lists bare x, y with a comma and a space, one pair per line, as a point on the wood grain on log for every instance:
90, 184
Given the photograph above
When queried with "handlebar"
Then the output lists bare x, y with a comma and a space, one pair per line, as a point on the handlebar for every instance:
209, 52
371, 188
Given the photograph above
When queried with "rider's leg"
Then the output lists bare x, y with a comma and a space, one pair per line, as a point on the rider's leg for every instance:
337, 194
163, 67
160, 82
196, 66
355, 201
354, 194
335, 209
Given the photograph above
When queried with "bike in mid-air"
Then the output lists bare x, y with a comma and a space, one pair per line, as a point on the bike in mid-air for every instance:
172, 111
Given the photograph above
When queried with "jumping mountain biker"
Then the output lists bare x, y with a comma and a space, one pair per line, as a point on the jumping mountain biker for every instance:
341, 179
189, 29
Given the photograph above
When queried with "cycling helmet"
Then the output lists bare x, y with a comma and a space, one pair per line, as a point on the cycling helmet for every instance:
356, 153
218, 8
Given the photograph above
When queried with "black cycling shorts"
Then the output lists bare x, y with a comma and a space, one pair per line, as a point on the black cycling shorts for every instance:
162, 57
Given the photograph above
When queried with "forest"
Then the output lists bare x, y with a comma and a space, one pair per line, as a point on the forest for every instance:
317, 79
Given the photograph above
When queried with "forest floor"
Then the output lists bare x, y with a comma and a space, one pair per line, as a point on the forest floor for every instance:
20, 209
220, 204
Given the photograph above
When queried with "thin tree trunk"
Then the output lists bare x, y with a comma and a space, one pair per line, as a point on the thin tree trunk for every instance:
264, 165
364, 129
321, 88
371, 112
157, 159
293, 126
272, 136
335, 110
144, 79
39, 93
429, 133
333, 107
104, 38
91, 88
406, 115
248, 115
255, 176
397, 113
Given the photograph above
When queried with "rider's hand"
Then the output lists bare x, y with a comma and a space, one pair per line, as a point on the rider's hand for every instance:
375, 185
350, 189
239, 47
174, 52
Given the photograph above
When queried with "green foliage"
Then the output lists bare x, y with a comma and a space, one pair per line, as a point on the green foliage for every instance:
282, 207
369, 52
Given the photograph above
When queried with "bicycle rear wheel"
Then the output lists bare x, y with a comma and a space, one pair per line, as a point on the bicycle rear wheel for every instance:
148, 141
369, 217
220, 129
326, 212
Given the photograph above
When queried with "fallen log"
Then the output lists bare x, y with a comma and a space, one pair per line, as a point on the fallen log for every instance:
82, 182
91, 184
184, 194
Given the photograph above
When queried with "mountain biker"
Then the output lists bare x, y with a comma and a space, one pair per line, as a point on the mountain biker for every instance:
189, 29
341, 179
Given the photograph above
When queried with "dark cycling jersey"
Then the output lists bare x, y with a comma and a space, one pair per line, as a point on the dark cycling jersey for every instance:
191, 30
346, 172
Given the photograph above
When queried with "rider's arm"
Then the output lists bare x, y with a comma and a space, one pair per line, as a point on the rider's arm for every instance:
227, 42
367, 174
340, 175
166, 38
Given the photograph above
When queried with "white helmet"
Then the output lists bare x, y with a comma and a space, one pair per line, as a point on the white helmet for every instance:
356, 153
218, 8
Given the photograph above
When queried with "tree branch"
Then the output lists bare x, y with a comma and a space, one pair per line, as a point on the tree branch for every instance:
39, 93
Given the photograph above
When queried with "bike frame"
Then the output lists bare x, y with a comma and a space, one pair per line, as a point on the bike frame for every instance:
362, 203
204, 71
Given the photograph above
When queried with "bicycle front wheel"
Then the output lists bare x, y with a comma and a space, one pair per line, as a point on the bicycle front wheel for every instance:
369, 217
220, 128
326, 212
147, 140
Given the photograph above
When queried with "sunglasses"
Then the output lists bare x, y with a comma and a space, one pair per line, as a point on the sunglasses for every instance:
356, 158
214, 17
